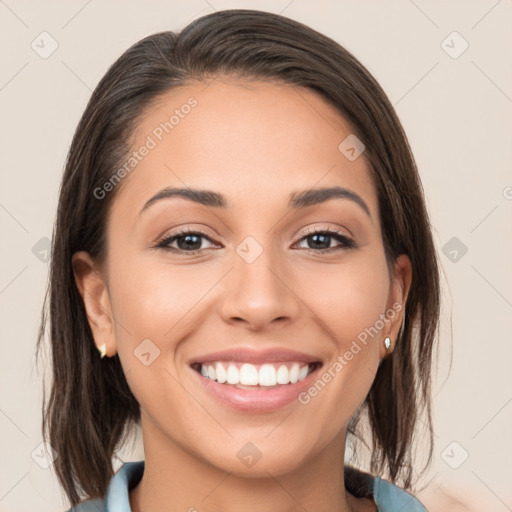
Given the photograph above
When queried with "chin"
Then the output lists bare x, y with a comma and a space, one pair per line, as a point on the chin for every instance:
258, 460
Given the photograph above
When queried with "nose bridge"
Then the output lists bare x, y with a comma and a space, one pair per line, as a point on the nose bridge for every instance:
258, 291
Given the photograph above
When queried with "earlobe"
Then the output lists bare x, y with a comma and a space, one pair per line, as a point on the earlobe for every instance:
94, 292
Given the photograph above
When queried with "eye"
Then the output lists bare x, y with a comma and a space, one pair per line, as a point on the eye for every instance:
188, 241
322, 239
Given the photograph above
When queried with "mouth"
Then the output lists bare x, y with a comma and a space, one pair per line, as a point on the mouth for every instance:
255, 382
244, 375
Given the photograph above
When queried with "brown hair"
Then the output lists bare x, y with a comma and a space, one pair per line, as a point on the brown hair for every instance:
91, 407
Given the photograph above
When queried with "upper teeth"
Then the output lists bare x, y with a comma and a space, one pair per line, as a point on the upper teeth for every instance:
254, 375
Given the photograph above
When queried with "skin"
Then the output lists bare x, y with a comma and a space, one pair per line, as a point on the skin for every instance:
254, 142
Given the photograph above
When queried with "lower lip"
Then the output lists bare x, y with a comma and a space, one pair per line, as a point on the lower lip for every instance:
256, 400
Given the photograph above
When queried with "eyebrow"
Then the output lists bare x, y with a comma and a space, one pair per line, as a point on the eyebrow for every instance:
297, 199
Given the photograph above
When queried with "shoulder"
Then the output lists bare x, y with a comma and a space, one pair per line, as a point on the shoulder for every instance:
388, 497
97, 505
117, 498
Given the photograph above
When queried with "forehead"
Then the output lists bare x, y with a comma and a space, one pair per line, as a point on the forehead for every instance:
247, 139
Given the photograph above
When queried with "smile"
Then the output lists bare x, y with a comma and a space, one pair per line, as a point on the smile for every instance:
255, 381
241, 374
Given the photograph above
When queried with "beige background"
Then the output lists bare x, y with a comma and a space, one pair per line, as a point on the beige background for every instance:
457, 113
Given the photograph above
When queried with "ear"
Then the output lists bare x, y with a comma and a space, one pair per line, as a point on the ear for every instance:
395, 311
94, 291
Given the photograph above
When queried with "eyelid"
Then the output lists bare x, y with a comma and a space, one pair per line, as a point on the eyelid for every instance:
185, 231
309, 231
345, 242
321, 229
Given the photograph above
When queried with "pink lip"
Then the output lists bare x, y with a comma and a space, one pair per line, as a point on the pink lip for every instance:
256, 356
259, 400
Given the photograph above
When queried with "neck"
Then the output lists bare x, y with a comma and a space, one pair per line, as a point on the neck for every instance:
177, 480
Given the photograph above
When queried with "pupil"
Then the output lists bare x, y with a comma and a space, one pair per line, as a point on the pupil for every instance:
186, 242
315, 237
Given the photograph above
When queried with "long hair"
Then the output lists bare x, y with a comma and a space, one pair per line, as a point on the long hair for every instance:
90, 406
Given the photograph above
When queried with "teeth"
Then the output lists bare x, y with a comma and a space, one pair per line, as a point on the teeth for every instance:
294, 374
303, 373
282, 375
246, 374
267, 375
233, 375
221, 373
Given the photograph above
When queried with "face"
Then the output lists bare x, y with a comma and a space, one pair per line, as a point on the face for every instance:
241, 287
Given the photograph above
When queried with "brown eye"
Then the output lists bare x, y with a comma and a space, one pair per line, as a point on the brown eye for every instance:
321, 241
188, 242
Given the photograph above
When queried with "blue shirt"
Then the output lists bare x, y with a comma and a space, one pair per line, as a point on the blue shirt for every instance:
387, 496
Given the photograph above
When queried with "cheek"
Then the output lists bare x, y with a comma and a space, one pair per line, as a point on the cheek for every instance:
152, 299
347, 301
167, 303
347, 297
156, 301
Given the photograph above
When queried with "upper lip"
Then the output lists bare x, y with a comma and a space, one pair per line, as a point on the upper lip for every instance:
253, 356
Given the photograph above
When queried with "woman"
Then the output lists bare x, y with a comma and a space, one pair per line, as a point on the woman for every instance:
243, 266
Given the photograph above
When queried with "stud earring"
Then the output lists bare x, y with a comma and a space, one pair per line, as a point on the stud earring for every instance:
387, 343
103, 350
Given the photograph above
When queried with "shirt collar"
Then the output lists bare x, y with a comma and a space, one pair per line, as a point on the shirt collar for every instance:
127, 477
386, 494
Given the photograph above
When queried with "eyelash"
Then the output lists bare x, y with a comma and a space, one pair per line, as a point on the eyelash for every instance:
347, 243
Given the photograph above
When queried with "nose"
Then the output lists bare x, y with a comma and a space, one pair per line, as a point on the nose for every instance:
260, 293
